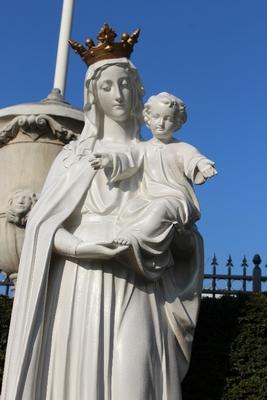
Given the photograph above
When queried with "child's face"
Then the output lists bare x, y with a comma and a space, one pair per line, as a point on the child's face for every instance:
162, 120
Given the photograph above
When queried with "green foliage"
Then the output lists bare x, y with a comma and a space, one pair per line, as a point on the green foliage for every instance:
247, 375
229, 359
5, 312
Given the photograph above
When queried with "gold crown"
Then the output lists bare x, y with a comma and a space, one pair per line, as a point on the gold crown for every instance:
106, 48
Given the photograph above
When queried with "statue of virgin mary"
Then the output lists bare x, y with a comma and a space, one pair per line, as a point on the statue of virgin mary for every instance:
91, 319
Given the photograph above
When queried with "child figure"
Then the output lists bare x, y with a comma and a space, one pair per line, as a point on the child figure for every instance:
171, 167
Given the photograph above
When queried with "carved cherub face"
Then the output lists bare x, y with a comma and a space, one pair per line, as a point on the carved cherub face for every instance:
19, 205
115, 93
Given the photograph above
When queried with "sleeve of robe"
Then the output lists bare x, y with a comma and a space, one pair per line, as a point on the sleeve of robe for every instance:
126, 164
191, 159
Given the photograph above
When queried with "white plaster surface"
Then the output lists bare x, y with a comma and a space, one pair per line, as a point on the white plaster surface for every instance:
111, 270
64, 110
27, 149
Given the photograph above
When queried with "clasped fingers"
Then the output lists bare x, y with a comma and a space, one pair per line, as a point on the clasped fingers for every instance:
96, 162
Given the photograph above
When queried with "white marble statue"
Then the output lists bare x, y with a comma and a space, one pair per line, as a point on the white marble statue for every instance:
98, 315
166, 197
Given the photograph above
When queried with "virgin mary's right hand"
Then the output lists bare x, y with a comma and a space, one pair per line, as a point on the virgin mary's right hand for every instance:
101, 160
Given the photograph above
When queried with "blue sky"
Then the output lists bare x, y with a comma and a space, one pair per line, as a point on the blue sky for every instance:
211, 53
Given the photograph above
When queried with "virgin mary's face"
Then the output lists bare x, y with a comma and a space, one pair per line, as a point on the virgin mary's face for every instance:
115, 93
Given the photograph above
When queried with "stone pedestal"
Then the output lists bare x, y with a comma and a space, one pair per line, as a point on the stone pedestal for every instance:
31, 136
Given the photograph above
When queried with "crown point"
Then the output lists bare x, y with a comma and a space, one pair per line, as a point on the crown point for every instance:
124, 37
136, 33
106, 48
90, 43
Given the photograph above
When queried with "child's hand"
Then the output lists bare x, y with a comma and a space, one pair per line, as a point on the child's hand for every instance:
101, 160
205, 170
209, 171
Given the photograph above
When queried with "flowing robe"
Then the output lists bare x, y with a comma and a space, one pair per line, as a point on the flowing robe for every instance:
169, 172
98, 330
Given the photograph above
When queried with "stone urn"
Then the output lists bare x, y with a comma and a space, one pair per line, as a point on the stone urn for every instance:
31, 136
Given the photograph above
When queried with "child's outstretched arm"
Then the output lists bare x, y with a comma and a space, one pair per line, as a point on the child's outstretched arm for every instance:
197, 167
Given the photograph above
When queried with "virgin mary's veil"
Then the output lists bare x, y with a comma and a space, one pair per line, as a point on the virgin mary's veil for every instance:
91, 128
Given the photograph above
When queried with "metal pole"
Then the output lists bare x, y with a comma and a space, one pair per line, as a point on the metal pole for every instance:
229, 274
63, 47
214, 264
256, 283
244, 265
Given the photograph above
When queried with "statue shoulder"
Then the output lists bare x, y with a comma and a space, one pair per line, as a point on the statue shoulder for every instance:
186, 148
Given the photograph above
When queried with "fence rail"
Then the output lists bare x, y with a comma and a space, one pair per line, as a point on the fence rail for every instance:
212, 281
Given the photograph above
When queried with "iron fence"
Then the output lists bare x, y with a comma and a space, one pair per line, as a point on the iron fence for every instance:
215, 283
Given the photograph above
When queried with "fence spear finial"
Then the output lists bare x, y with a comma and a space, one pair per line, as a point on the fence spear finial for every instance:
229, 263
244, 262
214, 260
